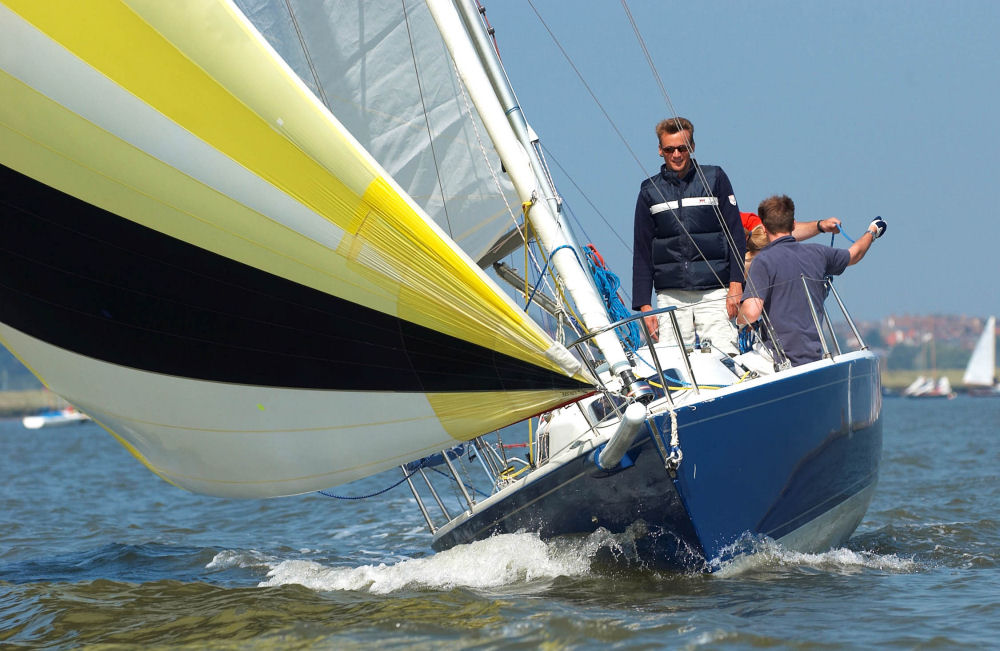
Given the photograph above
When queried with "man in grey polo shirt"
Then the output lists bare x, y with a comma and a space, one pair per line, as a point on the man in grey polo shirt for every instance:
775, 280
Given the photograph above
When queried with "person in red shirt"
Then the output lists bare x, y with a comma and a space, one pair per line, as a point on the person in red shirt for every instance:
753, 229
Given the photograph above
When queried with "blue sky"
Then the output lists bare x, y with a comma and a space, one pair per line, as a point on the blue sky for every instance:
854, 109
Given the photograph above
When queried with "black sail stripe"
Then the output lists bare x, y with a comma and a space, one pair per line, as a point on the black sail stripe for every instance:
86, 280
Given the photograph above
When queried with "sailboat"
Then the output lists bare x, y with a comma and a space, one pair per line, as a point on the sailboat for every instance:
262, 246
67, 415
935, 386
980, 376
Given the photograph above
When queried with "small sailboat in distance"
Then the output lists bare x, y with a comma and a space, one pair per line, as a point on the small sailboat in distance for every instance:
919, 385
980, 373
68, 415
935, 386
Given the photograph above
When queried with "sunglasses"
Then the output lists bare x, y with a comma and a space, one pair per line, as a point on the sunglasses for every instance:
669, 150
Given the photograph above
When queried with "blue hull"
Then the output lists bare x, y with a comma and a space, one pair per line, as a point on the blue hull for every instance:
795, 459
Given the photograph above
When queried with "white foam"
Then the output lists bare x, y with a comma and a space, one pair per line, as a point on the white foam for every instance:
513, 559
767, 554
244, 558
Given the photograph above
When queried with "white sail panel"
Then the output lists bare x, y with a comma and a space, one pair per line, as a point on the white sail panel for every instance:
981, 369
382, 68
251, 441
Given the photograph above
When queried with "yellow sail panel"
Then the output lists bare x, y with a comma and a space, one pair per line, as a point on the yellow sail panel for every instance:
47, 142
214, 78
420, 255
457, 414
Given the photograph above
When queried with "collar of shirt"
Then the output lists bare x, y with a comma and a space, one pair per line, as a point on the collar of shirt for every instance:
784, 239
672, 177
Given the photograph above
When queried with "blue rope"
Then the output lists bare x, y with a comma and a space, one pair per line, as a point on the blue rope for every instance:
840, 230
608, 285
746, 338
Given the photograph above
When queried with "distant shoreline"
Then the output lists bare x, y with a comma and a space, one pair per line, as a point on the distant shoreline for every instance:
898, 380
14, 404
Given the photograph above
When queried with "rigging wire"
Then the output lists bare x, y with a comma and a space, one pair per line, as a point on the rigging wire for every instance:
586, 198
583, 81
486, 159
450, 478
617, 131
427, 121
718, 212
376, 493
389, 488
701, 175
522, 228
541, 280
305, 52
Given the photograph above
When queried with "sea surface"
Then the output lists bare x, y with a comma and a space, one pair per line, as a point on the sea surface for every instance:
95, 550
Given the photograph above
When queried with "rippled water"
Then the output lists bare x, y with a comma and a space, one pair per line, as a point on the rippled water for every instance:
96, 550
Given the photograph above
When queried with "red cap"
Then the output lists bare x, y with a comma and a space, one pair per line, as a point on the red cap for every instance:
750, 220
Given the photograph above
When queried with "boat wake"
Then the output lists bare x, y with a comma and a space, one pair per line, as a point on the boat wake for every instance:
524, 561
768, 555
520, 559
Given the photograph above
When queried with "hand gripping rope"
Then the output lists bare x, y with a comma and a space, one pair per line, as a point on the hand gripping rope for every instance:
878, 222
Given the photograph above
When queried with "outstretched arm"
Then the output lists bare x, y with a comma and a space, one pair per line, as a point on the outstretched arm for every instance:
861, 246
805, 230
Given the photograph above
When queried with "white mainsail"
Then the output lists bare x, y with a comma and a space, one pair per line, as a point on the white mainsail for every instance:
199, 255
383, 70
981, 370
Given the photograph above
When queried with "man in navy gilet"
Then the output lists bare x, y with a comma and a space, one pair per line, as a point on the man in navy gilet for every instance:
689, 243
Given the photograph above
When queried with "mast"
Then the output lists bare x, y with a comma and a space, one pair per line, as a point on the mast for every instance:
482, 74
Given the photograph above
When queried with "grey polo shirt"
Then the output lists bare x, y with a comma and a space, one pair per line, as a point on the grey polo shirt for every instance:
776, 277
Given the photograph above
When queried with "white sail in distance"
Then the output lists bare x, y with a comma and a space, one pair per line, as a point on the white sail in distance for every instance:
981, 369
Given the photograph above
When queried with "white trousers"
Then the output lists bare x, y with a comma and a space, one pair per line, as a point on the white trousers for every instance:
703, 312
